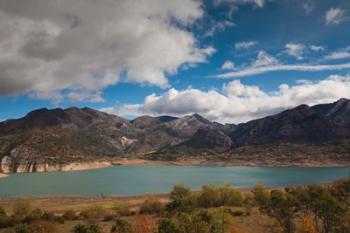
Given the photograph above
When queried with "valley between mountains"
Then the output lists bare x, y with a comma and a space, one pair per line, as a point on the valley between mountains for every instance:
75, 139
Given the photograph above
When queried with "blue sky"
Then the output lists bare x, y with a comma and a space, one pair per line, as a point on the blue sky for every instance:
278, 54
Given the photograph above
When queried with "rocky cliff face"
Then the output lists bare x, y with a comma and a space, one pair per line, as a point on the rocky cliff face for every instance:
12, 165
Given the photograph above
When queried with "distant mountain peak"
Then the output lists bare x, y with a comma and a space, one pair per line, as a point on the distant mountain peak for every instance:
200, 118
343, 100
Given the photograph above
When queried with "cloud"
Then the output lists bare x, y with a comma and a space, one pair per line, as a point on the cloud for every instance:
259, 3
264, 59
245, 44
236, 102
233, 5
250, 71
218, 27
228, 65
266, 63
308, 7
334, 16
341, 54
295, 50
317, 48
66, 49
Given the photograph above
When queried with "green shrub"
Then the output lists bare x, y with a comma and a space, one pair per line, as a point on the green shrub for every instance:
6, 221
21, 209
209, 196
181, 199
108, 217
248, 203
70, 215
59, 219
22, 228
37, 214
261, 196
121, 226
43, 226
48, 216
80, 228
93, 215
122, 209
151, 206
237, 213
167, 226
2, 212
214, 196
230, 196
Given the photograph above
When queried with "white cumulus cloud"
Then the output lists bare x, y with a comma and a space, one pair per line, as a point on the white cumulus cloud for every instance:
228, 65
264, 59
237, 102
334, 16
295, 49
74, 49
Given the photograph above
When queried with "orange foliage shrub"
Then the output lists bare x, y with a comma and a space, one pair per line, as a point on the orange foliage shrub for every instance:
308, 225
143, 224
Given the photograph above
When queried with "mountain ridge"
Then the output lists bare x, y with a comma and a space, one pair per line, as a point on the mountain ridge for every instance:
59, 136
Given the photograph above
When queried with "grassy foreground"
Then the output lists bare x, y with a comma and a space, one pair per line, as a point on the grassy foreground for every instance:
215, 209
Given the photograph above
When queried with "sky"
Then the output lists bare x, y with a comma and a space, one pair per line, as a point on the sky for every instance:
229, 60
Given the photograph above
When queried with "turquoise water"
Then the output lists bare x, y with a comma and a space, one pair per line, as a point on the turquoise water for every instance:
135, 180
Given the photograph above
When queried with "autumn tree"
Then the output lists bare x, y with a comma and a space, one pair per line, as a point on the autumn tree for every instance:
143, 224
167, 226
308, 224
261, 196
325, 207
181, 199
151, 206
282, 207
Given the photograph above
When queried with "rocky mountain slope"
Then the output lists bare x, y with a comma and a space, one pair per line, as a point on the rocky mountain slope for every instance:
62, 136
303, 135
303, 124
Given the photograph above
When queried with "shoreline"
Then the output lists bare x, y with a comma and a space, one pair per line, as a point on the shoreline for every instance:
85, 166
98, 198
61, 202
230, 163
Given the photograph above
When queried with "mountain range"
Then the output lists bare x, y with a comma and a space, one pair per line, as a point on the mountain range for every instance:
303, 135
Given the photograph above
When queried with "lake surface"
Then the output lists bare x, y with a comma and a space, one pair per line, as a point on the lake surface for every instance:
136, 180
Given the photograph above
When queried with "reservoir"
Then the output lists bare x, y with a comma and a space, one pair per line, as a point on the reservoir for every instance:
137, 180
